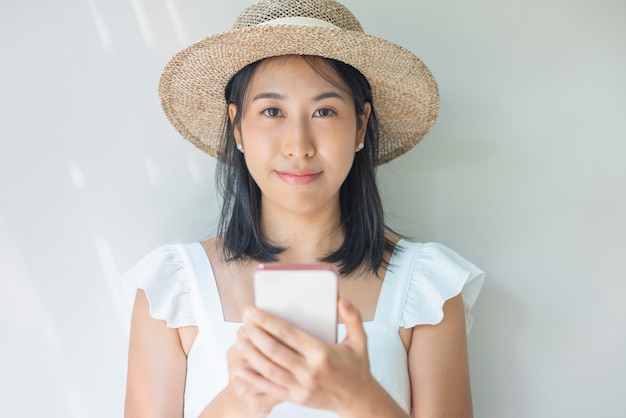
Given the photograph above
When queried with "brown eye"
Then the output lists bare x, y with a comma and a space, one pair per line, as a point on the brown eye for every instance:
271, 112
323, 112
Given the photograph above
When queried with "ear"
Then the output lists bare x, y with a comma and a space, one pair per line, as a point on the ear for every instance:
232, 112
362, 125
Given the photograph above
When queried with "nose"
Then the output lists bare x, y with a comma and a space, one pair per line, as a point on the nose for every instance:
298, 141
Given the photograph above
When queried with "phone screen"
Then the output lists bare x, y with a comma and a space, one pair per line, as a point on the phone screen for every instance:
303, 295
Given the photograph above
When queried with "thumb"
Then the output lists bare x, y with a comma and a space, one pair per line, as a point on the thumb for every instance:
355, 333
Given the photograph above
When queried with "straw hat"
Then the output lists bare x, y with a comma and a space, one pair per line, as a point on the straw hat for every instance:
405, 93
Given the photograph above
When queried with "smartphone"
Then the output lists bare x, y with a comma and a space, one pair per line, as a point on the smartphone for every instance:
303, 295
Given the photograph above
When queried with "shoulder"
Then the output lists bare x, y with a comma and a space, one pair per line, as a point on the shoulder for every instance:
433, 274
167, 255
164, 276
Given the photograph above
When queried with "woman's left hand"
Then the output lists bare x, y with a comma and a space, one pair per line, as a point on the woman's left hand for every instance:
293, 366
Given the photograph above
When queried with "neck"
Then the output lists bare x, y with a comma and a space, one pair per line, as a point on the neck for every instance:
305, 237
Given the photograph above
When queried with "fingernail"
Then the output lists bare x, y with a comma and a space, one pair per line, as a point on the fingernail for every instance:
248, 313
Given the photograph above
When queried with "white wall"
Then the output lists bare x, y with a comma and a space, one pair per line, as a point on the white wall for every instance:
524, 174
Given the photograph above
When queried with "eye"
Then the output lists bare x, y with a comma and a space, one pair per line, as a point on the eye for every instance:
272, 112
324, 112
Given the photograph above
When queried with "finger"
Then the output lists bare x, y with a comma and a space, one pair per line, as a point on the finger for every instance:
241, 385
272, 348
291, 336
355, 333
234, 356
262, 385
263, 365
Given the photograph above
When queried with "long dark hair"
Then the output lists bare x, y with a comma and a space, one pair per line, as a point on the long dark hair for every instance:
362, 218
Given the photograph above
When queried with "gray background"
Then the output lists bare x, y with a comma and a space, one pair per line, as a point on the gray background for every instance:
524, 174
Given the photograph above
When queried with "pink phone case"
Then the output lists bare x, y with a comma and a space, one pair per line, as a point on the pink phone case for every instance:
303, 295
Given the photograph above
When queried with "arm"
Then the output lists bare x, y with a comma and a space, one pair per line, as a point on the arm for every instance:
438, 366
156, 366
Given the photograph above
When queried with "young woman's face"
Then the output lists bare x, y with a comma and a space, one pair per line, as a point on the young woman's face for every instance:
299, 133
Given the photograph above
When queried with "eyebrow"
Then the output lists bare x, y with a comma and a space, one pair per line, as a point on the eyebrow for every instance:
268, 95
277, 96
328, 95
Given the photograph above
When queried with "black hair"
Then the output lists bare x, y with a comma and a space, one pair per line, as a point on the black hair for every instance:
362, 219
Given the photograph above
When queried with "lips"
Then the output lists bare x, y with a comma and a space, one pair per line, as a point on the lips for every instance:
299, 176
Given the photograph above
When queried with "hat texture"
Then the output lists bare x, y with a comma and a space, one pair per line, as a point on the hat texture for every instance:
191, 89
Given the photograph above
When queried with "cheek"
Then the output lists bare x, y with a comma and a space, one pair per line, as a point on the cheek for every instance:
342, 144
256, 162
257, 132
258, 157
339, 159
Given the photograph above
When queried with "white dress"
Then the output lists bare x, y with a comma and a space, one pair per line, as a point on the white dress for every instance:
181, 289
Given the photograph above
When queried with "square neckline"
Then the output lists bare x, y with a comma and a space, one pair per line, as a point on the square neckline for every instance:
385, 288
386, 347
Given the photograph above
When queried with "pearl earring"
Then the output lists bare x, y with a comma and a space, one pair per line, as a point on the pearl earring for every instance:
240, 147
360, 146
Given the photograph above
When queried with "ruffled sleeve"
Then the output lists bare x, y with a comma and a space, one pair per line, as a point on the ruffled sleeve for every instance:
163, 276
438, 274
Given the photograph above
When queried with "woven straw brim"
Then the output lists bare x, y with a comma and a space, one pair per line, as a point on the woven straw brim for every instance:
405, 93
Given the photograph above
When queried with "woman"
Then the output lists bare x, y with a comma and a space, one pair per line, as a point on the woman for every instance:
297, 159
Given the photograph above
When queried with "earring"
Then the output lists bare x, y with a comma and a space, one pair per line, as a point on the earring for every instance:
240, 147
360, 146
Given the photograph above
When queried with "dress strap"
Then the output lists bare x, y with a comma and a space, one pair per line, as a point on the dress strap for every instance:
204, 294
191, 257
396, 283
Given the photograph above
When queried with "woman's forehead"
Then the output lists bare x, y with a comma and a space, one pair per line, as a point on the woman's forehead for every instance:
297, 66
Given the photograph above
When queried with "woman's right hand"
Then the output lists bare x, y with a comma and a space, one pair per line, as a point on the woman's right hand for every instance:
247, 400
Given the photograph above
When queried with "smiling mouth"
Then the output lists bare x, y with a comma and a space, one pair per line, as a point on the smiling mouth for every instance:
298, 178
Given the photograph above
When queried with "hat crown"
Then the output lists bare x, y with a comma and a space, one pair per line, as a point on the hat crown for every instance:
327, 10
